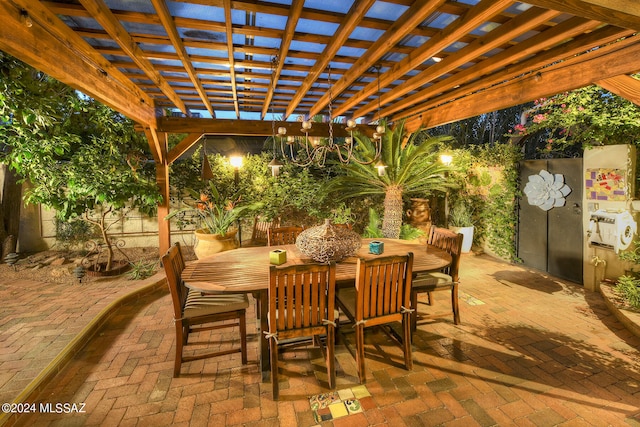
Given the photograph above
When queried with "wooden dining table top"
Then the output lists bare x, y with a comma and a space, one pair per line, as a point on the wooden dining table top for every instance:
247, 269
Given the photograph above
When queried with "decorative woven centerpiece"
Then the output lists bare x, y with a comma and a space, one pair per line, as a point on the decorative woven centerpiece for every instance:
325, 243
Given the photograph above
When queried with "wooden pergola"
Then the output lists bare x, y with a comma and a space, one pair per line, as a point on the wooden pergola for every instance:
228, 67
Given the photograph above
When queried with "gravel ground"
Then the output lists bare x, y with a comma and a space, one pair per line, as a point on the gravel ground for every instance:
56, 266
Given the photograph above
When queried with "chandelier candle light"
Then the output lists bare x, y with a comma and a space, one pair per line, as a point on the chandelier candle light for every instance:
313, 150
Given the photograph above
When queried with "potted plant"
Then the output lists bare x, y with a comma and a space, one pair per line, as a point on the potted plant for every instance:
215, 214
461, 221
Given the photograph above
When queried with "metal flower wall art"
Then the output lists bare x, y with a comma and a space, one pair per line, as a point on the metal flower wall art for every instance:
546, 190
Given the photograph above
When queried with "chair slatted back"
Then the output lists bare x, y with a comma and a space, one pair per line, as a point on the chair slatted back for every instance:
301, 296
451, 242
383, 287
283, 235
261, 229
173, 263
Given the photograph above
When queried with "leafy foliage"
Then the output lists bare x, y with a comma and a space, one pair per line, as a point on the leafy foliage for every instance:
142, 269
412, 168
297, 195
461, 215
628, 287
215, 212
82, 159
632, 256
486, 180
583, 117
480, 130
373, 229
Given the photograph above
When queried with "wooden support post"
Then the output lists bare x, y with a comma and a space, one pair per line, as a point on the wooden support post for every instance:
162, 178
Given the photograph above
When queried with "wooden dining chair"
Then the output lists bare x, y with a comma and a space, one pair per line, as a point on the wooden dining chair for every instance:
259, 235
283, 235
192, 308
301, 304
381, 296
444, 280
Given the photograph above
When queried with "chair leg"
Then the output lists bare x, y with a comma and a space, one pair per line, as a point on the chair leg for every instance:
179, 344
406, 340
414, 313
454, 304
360, 353
331, 359
273, 347
430, 298
186, 328
243, 336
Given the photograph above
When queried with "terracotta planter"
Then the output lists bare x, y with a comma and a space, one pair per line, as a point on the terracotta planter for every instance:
209, 244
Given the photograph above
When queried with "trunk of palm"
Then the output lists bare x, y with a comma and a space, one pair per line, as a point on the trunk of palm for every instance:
392, 217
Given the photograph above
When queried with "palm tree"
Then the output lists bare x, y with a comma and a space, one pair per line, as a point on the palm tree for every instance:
412, 168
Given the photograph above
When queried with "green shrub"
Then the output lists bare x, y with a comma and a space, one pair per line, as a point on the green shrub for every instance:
72, 234
142, 269
628, 287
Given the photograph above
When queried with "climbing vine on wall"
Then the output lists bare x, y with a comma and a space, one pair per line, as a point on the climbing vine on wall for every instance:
488, 180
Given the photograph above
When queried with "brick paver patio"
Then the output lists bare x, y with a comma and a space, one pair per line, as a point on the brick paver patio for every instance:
532, 350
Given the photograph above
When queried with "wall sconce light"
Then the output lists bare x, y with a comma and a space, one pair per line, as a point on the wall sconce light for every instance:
381, 167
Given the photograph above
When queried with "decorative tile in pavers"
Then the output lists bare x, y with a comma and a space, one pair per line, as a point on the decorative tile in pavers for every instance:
321, 401
338, 404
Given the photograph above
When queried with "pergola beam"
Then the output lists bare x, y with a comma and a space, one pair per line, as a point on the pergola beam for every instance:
248, 127
228, 27
351, 21
103, 15
475, 16
623, 13
289, 31
537, 46
181, 52
411, 18
577, 46
572, 74
52, 46
517, 26
624, 86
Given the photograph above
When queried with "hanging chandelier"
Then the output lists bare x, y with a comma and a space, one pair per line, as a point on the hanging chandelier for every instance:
313, 150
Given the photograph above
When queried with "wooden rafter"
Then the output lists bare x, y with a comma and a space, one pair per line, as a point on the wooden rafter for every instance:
176, 41
622, 13
158, 151
231, 60
523, 23
404, 60
244, 128
480, 13
357, 11
292, 22
102, 14
624, 86
610, 61
401, 27
182, 147
52, 46
575, 47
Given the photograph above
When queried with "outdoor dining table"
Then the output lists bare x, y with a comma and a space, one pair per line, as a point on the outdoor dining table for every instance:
246, 270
